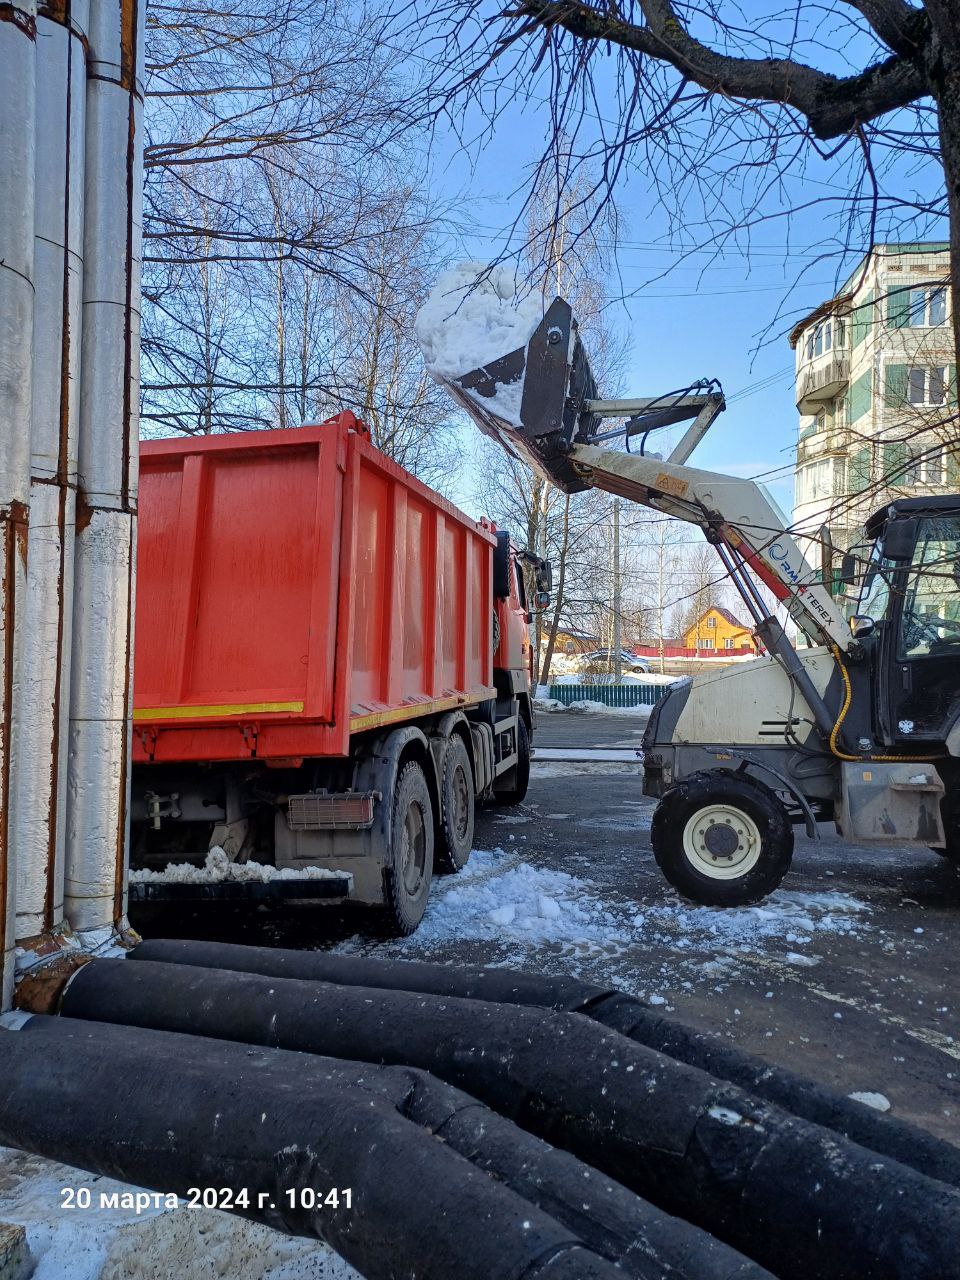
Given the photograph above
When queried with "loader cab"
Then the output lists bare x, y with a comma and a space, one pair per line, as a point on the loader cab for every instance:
911, 596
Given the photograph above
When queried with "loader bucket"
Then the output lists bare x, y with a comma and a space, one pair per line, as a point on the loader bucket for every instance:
531, 400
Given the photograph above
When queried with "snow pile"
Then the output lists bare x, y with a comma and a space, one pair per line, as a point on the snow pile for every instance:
588, 705
218, 868
105, 1243
494, 898
472, 317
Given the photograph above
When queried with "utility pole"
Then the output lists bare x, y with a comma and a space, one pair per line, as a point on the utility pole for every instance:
617, 665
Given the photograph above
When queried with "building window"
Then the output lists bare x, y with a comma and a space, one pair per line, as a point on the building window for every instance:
821, 420
730, 643
926, 386
711, 622
820, 339
927, 308
840, 412
915, 385
933, 468
815, 480
708, 643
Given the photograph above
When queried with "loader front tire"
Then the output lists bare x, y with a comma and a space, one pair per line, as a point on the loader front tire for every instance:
722, 839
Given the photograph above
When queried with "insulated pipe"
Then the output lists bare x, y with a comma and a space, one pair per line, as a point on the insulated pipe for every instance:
702, 1149
603, 1215
621, 1012
99, 750
17, 145
286, 1136
45, 686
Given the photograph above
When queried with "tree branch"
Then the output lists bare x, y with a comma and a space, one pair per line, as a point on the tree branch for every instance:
832, 105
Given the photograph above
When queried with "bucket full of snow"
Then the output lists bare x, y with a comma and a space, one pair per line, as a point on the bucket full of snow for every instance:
519, 371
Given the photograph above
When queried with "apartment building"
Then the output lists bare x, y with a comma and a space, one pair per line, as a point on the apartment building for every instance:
876, 390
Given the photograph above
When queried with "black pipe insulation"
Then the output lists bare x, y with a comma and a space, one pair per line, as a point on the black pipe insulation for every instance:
604, 1216
802, 1097
147, 1109
697, 1147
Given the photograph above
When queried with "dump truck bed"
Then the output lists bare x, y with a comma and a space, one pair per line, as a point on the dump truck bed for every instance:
296, 587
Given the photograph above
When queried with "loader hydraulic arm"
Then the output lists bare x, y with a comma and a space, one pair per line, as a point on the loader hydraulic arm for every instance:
559, 431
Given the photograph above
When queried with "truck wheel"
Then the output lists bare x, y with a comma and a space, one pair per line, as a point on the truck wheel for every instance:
517, 789
457, 806
411, 852
721, 839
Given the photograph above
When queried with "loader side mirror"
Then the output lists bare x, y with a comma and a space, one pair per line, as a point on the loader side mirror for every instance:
899, 539
541, 601
545, 577
861, 626
848, 569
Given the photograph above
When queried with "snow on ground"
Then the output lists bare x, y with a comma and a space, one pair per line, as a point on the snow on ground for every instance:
550, 705
472, 317
103, 1243
219, 868
531, 912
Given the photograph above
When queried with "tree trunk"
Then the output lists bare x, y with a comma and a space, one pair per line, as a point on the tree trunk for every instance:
944, 77
558, 602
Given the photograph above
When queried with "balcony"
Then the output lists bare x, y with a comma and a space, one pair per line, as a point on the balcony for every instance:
821, 381
831, 441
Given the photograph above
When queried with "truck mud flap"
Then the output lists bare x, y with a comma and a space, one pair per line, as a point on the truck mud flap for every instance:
795, 1093
698, 1147
255, 892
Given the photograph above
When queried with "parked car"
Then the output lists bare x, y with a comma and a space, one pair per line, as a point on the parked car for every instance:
607, 657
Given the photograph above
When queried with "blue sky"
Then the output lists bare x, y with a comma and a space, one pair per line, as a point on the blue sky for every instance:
725, 318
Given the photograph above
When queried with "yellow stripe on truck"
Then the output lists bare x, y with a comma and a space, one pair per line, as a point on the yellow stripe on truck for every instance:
212, 712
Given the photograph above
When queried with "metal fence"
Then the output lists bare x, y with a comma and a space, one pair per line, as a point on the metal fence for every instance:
633, 694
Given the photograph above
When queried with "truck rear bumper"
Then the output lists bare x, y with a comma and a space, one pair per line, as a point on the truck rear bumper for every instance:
329, 889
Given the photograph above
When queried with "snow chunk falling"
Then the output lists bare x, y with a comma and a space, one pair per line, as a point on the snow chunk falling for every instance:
467, 322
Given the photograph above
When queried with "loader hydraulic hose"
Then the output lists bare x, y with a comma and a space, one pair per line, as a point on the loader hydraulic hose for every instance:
173, 1112
697, 1147
621, 1012
842, 715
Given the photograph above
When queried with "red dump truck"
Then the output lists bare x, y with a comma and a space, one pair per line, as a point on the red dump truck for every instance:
332, 667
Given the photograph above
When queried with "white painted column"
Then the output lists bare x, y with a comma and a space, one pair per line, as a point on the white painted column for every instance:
100, 682
17, 102
45, 676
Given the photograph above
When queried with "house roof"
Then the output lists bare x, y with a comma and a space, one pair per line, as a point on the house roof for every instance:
725, 614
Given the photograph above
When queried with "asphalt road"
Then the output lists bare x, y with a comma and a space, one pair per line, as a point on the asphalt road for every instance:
845, 974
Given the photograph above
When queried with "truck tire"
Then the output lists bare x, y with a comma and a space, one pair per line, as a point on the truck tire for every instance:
517, 789
722, 839
410, 870
457, 807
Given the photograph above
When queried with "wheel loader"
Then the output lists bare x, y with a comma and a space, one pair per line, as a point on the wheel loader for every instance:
860, 728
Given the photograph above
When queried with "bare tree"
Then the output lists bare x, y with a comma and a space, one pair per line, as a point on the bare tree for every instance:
722, 106
271, 160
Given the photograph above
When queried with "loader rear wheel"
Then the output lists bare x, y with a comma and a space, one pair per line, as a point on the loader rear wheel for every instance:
457, 807
722, 839
408, 876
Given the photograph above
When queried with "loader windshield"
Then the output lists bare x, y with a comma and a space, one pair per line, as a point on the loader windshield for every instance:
930, 624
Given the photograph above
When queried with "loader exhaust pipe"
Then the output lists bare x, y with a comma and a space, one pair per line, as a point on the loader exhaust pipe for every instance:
617, 1010
693, 1145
